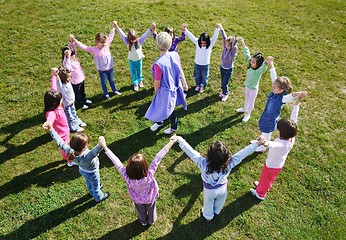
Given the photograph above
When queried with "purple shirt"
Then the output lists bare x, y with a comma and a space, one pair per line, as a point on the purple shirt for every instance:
175, 41
228, 55
145, 190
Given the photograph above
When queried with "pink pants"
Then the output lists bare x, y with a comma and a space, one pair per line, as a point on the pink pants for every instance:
250, 97
267, 179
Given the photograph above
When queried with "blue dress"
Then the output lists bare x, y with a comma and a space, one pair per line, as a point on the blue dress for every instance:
170, 93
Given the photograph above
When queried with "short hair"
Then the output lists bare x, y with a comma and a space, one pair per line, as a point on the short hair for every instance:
100, 37
284, 83
79, 141
287, 128
163, 41
217, 157
64, 75
137, 167
259, 59
52, 100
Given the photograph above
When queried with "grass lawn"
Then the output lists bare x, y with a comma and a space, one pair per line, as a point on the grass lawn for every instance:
41, 198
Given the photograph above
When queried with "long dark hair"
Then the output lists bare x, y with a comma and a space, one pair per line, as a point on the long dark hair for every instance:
217, 157
204, 37
52, 100
259, 60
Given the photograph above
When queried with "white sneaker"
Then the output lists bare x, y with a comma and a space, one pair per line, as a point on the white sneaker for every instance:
117, 93
88, 101
261, 149
197, 88
239, 110
220, 95
256, 183
253, 191
85, 107
107, 96
224, 98
246, 117
140, 84
135, 88
83, 124
155, 127
71, 164
80, 129
201, 89
169, 131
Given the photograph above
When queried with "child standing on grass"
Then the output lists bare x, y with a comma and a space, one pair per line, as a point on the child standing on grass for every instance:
170, 31
278, 151
61, 82
71, 62
103, 59
229, 53
86, 159
135, 54
204, 46
215, 169
257, 66
142, 186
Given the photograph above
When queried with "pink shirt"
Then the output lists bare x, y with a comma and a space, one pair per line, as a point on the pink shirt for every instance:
145, 190
59, 121
74, 66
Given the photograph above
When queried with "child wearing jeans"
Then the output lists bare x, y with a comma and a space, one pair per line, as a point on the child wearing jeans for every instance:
103, 59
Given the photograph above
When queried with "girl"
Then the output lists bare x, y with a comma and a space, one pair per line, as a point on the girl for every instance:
276, 99
103, 59
86, 159
135, 54
229, 53
278, 151
204, 46
71, 62
168, 91
257, 66
215, 169
55, 115
61, 82
142, 186
170, 31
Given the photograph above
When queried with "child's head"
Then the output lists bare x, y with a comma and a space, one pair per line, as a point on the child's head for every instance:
256, 60
64, 75
52, 100
79, 142
170, 31
132, 38
64, 49
287, 129
100, 40
204, 40
282, 85
217, 156
229, 41
163, 41
137, 167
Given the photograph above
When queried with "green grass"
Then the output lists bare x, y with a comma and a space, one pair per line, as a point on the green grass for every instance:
41, 198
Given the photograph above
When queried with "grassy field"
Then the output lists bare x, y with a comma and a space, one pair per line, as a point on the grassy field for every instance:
41, 198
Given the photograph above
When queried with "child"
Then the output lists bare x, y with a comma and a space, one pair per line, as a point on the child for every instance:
215, 169
140, 180
86, 159
103, 59
61, 82
278, 151
276, 99
229, 53
135, 54
204, 46
170, 31
55, 115
257, 66
71, 62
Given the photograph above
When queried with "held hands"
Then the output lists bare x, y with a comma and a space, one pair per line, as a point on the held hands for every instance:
183, 27
102, 142
55, 71
47, 125
115, 24
72, 38
261, 140
269, 59
298, 96
174, 138
218, 25
153, 27
241, 40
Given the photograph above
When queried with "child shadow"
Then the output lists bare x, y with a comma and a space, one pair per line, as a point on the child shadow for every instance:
128, 231
201, 229
33, 228
44, 176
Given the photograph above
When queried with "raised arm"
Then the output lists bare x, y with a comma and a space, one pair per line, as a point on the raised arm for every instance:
57, 139
121, 33
191, 36
246, 50
155, 163
145, 35
216, 34
55, 75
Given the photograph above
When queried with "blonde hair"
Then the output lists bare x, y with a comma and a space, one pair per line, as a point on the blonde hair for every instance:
284, 83
100, 37
163, 41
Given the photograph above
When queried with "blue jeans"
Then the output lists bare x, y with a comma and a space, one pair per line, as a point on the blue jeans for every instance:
136, 71
201, 75
92, 181
226, 75
174, 121
72, 119
79, 92
213, 201
110, 76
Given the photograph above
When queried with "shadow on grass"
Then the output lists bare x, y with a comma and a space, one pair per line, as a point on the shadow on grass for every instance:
128, 231
33, 228
201, 229
44, 176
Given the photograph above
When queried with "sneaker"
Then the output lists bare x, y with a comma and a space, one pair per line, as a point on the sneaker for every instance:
80, 129
142, 223
85, 107
197, 88
246, 117
107, 96
239, 110
117, 93
220, 95
83, 124
71, 164
256, 183
135, 88
155, 127
261, 149
201, 89
224, 98
88, 101
169, 131
253, 191
140, 84
105, 196
101, 186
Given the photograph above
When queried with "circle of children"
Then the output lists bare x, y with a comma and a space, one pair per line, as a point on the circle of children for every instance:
67, 87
